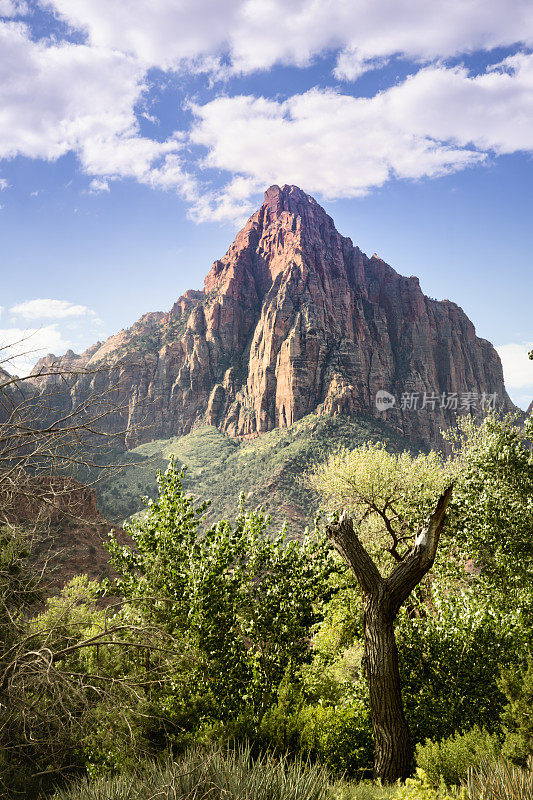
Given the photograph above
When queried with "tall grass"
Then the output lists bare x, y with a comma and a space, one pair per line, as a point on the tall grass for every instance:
500, 780
215, 775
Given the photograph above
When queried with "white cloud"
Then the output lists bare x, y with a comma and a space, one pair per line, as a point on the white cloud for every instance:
56, 98
64, 326
491, 111
4, 184
233, 203
518, 371
98, 185
328, 143
20, 348
59, 97
438, 121
161, 33
256, 34
49, 309
517, 367
13, 8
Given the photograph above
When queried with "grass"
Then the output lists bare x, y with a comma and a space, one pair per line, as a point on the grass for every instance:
218, 775
227, 774
269, 469
500, 780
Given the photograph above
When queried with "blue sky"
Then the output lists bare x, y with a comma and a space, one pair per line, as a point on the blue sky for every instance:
136, 137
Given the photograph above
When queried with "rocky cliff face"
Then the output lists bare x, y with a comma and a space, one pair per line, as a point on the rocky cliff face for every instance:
292, 319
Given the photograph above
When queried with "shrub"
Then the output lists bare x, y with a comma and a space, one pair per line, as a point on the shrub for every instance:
448, 761
419, 788
517, 716
364, 790
339, 737
450, 662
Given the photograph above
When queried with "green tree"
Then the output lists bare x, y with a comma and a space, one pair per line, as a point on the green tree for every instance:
472, 616
384, 499
492, 509
240, 602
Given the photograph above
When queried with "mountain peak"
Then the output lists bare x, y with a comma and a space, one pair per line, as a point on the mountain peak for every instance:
294, 319
287, 195
286, 220
293, 200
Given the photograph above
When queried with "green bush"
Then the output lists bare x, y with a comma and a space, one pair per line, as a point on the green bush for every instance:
420, 788
448, 761
364, 790
417, 788
339, 737
517, 716
451, 659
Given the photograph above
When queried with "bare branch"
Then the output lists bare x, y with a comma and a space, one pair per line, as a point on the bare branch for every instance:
420, 558
347, 543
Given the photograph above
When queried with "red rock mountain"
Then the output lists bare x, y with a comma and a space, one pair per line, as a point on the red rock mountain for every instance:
292, 319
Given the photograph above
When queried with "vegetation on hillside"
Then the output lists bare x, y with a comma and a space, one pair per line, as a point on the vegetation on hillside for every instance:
268, 469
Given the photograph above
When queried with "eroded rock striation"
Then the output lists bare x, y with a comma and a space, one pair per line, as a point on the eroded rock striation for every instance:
293, 318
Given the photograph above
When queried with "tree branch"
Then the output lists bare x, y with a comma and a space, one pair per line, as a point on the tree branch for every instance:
347, 543
420, 559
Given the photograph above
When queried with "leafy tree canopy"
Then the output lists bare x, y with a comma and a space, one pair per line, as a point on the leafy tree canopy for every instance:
240, 601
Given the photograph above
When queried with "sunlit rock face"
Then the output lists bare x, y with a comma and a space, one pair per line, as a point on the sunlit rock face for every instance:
294, 318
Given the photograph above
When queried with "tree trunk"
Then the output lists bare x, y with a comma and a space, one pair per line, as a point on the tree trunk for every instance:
392, 748
382, 599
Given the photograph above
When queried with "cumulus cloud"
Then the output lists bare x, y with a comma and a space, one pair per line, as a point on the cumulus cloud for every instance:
54, 326
247, 35
491, 111
438, 121
56, 98
233, 203
45, 308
